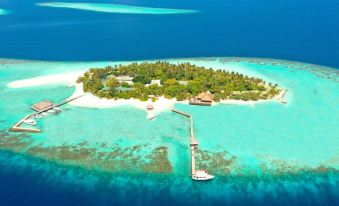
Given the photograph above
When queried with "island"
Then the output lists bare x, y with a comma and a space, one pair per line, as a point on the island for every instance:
182, 81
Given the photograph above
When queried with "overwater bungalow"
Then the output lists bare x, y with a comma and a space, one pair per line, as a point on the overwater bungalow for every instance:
42, 106
203, 99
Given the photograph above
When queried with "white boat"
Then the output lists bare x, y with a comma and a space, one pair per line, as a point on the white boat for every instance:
30, 121
52, 111
57, 109
37, 116
44, 114
152, 117
202, 175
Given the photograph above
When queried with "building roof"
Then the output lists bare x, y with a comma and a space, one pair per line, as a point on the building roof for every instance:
200, 95
183, 82
156, 81
42, 105
124, 78
205, 96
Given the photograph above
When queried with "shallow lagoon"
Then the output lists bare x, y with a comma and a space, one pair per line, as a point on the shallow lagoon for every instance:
115, 8
3, 12
258, 152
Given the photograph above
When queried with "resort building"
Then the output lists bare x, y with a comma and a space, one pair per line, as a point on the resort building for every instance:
156, 81
42, 106
127, 79
153, 82
183, 82
204, 99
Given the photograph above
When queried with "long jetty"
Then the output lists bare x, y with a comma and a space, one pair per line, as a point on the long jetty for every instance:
17, 127
281, 96
58, 105
193, 140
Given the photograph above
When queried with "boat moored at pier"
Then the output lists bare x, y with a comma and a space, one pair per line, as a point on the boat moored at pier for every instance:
202, 175
30, 122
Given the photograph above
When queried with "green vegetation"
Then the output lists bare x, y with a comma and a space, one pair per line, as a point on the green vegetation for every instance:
181, 81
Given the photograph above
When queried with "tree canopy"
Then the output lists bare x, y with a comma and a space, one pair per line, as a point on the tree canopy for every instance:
181, 81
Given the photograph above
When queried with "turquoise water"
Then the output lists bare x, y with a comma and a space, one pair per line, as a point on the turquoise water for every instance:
3, 12
277, 150
115, 8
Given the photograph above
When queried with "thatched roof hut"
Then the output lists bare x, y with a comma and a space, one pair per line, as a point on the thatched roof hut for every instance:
205, 97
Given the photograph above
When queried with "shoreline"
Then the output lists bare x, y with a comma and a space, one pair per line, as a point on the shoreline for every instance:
90, 101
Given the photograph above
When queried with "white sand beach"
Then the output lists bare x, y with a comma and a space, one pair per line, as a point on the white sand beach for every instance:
91, 101
64, 78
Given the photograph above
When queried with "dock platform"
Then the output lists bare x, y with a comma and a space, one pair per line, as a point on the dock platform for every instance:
17, 127
281, 96
193, 141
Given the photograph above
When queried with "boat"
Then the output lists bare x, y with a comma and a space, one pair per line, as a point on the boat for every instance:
30, 121
44, 114
152, 117
52, 111
37, 116
57, 109
202, 175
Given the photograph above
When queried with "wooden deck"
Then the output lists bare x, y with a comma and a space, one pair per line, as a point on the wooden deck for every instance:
199, 103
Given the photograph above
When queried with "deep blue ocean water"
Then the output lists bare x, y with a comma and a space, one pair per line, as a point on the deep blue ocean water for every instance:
29, 181
305, 31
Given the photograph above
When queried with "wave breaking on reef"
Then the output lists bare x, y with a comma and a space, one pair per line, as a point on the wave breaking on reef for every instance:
115, 8
3, 12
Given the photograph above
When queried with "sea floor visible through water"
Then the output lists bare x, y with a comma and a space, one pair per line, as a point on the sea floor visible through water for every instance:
263, 153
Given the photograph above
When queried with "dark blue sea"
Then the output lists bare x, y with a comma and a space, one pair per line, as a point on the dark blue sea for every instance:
296, 30
303, 30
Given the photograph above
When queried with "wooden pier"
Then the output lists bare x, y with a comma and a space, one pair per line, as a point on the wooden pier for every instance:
58, 105
281, 96
193, 140
17, 127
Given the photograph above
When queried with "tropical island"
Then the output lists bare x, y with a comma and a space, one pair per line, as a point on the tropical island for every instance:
181, 81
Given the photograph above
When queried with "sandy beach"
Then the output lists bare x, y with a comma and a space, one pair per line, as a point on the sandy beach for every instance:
64, 78
89, 100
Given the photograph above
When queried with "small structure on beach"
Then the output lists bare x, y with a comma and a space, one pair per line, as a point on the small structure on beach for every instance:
42, 106
149, 107
204, 99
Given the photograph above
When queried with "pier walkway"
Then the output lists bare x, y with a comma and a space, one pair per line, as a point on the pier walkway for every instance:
58, 105
281, 98
17, 127
193, 140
